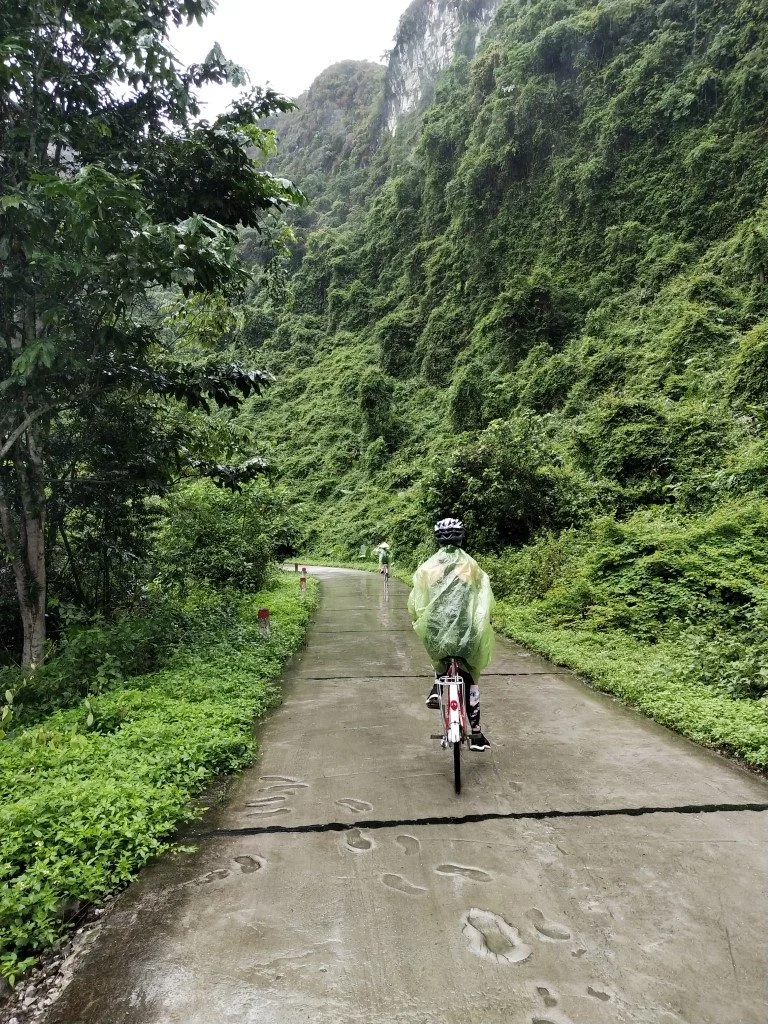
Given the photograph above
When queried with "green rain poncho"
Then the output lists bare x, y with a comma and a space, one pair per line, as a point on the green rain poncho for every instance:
451, 604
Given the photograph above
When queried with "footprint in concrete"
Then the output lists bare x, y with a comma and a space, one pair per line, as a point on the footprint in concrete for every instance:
550, 1002
599, 993
355, 840
264, 812
280, 778
286, 787
213, 876
546, 996
490, 936
474, 874
249, 864
401, 884
355, 806
410, 844
267, 801
547, 929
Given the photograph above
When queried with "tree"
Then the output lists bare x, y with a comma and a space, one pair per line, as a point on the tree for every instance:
109, 189
506, 484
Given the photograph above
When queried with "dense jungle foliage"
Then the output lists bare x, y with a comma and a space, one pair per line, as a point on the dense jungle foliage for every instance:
138, 524
120, 217
544, 310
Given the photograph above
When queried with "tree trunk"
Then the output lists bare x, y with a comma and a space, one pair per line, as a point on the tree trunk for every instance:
22, 518
23, 501
33, 623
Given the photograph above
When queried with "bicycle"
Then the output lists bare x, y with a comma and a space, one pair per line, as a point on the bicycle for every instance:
385, 573
453, 714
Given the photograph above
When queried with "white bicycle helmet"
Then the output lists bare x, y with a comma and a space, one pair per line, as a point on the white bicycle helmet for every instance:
450, 531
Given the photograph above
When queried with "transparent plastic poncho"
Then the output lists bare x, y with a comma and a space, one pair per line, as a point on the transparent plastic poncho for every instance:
451, 604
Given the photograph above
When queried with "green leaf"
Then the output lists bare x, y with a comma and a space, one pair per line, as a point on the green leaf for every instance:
11, 202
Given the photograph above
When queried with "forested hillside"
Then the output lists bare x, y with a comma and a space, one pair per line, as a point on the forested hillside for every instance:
544, 310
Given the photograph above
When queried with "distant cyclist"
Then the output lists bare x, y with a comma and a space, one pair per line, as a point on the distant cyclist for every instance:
384, 558
451, 604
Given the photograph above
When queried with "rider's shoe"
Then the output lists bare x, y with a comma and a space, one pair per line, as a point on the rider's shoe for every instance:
478, 742
433, 697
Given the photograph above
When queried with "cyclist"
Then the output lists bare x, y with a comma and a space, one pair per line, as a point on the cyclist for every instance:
384, 557
451, 604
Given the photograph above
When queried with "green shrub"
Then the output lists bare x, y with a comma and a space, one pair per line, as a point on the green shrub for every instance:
87, 798
375, 394
466, 399
506, 485
749, 380
216, 537
89, 659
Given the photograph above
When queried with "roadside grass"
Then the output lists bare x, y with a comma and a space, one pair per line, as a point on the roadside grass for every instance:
89, 795
647, 677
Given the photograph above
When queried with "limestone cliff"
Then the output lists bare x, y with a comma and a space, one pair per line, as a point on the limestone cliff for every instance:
430, 34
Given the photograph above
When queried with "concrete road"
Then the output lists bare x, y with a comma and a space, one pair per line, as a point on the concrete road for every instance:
322, 893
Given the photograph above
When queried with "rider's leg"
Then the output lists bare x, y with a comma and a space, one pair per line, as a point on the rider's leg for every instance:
471, 697
476, 741
433, 697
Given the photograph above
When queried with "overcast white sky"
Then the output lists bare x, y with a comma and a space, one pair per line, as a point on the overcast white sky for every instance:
286, 44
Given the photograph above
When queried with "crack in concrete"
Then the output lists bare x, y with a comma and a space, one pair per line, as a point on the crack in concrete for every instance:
467, 819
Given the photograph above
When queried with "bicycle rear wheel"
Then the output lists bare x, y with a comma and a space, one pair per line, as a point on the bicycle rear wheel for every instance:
457, 767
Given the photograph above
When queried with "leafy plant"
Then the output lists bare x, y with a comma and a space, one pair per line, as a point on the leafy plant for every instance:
110, 188
92, 793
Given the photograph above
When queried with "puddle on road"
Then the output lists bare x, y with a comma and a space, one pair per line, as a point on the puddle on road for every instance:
248, 865
265, 812
598, 993
355, 806
546, 996
213, 876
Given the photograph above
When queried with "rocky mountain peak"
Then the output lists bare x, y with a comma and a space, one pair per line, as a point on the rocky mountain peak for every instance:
430, 34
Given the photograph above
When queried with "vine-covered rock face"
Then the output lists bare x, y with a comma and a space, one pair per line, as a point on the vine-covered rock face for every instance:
566, 242
541, 305
430, 34
319, 137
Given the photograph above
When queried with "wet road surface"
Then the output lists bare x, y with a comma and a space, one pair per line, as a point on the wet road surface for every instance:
340, 883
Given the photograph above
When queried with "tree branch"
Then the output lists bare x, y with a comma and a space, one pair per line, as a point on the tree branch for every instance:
14, 437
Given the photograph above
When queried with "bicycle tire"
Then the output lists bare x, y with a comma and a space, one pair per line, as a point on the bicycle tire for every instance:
457, 767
